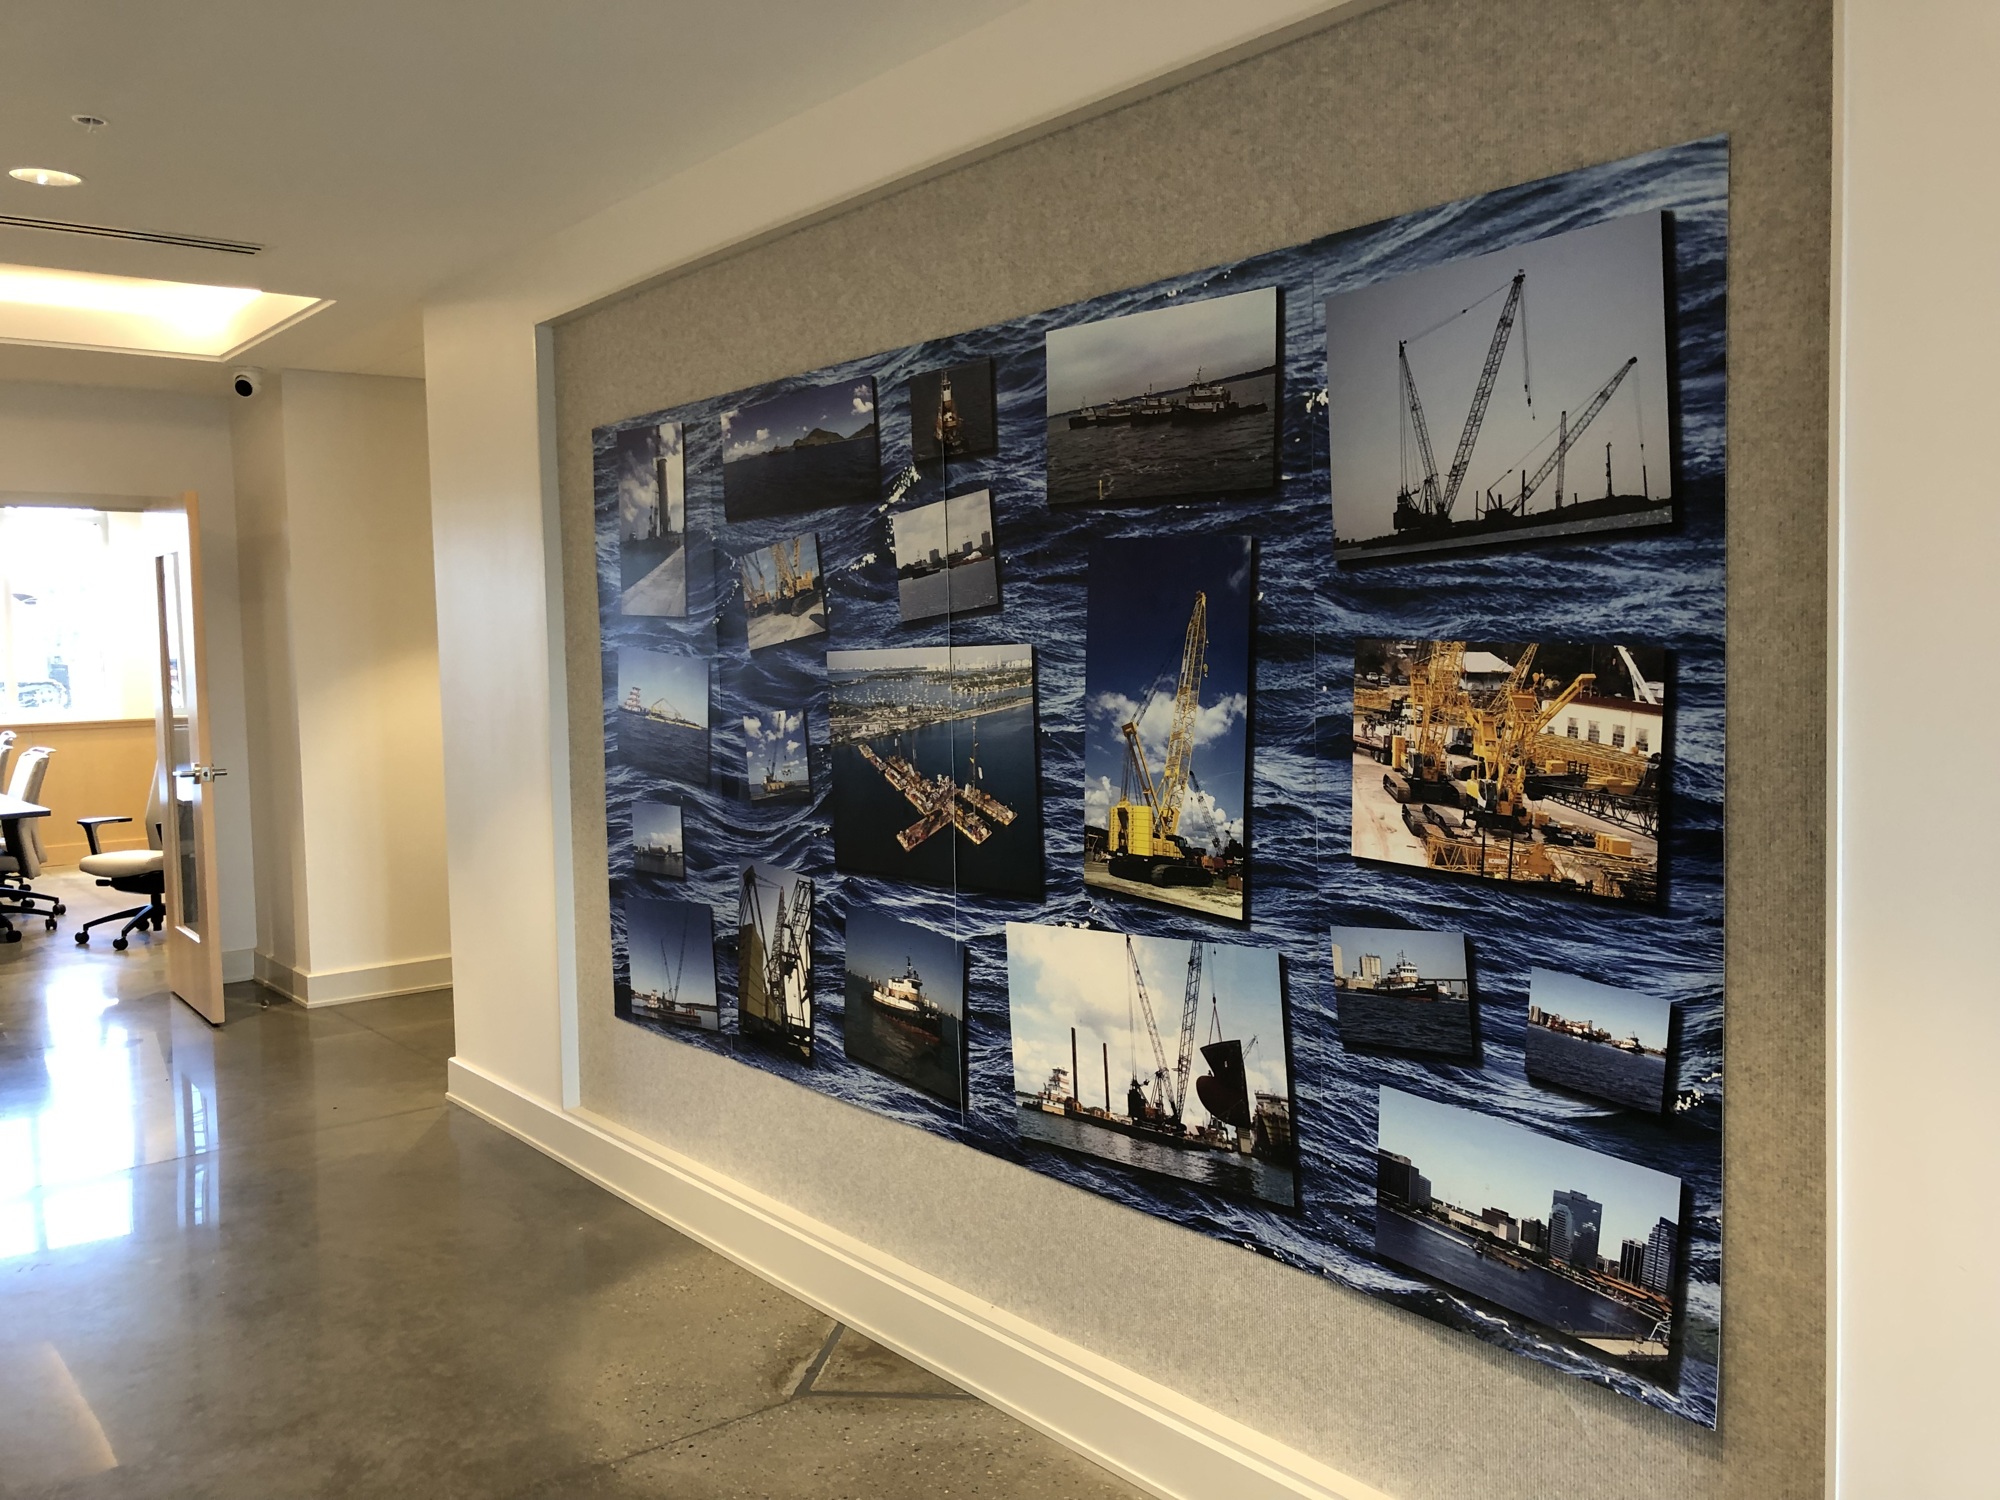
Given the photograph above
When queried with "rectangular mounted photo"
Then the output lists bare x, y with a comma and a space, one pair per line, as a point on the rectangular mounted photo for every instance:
905, 1012
952, 413
1095, 1075
657, 845
945, 559
784, 592
1589, 1038
649, 467
1584, 1244
774, 960
1403, 990
1537, 764
670, 958
1529, 403
777, 757
934, 771
801, 451
662, 718
1166, 700
1176, 401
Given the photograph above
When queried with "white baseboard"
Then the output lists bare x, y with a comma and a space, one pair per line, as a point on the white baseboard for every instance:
344, 986
1137, 1428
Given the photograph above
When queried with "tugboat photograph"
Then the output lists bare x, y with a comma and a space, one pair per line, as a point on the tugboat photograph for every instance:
905, 1003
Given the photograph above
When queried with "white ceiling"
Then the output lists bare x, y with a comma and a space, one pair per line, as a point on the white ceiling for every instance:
380, 149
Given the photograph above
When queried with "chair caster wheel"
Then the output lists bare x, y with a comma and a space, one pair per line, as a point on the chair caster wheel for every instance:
83, 940
52, 924
61, 910
10, 936
119, 943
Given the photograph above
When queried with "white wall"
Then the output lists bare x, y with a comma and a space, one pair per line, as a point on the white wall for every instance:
87, 441
1917, 1007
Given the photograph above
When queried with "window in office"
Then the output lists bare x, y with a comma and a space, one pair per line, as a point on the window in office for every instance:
77, 613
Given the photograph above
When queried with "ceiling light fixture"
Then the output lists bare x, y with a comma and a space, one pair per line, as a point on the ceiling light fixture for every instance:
82, 309
91, 122
45, 176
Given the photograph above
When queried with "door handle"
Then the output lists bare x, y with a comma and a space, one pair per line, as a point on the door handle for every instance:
203, 773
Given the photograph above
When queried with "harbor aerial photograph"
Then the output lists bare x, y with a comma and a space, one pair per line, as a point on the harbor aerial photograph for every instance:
1530, 404
657, 848
1540, 765
774, 960
1582, 1243
1596, 1039
670, 964
905, 1003
945, 562
1108, 1033
951, 412
662, 715
804, 450
1173, 401
1403, 990
784, 593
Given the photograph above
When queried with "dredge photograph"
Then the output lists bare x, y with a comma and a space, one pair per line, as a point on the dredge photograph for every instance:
652, 520
1403, 990
1544, 370
1537, 764
1582, 1243
1596, 1039
905, 1003
934, 771
670, 963
1109, 1031
784, 594
774, 960
1166, 729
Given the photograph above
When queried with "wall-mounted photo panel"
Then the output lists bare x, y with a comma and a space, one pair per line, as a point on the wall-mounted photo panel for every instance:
784, 592
649, 469
951, 412
1207, 1099
662, 719
1166, 701
945, 559
1556, 422
934, 773
1179, 400
777, 756
657, 843
1582, 1243
802, 451
905, 1012
1536, 764
1595, 1039
774, 960
1402, 990
670, 958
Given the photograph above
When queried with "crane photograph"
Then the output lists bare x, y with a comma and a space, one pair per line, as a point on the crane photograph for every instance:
669, 956
784, 597
1530, 364
1165, 1055
1166, 701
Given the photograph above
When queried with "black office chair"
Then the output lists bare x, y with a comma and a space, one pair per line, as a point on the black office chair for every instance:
137, 872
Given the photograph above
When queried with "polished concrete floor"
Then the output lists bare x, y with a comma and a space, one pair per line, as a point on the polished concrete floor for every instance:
269, 1260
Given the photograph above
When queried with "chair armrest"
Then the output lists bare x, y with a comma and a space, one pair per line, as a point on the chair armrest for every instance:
90, 826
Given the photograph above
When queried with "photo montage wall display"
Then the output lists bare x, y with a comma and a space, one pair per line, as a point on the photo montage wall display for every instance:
1372, 806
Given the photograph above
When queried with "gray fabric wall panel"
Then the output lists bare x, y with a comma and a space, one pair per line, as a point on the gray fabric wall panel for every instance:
1401, 107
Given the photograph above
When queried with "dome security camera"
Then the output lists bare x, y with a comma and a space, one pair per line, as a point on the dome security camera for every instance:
247, 381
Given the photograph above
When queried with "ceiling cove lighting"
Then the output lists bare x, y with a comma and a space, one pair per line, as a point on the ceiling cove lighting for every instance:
130, 315
45, 176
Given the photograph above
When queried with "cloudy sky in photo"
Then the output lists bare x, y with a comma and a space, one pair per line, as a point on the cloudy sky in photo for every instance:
778, 423
1162, 349
681, 680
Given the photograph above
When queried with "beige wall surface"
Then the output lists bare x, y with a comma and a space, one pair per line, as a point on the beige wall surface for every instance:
1414, 104
101, 768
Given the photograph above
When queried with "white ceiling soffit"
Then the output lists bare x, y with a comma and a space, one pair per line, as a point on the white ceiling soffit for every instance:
178, 319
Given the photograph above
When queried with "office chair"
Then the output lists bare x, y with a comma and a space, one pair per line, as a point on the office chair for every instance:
137, 872
17, 893
6, 753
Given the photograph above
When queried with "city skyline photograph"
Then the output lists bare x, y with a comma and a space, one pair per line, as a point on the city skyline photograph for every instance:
945, 557
1597, 1039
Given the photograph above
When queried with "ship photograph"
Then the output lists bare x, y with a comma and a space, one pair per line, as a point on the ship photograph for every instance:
1596, 1039
952, 414
1545, 369
1584, 1244
1403, 990
661, 721
1166, 721
934, 770
784, 592
669, 965
1175, 401
774, 960
945, 561
649, 468
777, 756
905, 1003
1160, 1055
805, 450
657, 848
1537, 764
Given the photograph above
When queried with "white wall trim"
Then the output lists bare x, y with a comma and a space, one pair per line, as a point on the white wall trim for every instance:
344, 986
1137, 1428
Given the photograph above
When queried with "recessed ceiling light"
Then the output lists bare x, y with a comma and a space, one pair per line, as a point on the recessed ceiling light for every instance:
91, 122
45, 177
83, 309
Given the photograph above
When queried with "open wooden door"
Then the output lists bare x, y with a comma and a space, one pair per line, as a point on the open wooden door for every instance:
194, 936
